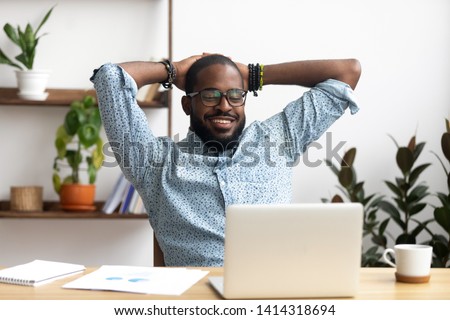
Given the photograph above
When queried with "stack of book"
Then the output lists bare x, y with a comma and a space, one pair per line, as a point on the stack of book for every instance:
124, 199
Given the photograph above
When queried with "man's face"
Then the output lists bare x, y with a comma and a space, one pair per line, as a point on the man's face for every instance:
222, 123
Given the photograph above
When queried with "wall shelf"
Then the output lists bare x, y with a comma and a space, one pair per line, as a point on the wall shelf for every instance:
58, 98
52, 210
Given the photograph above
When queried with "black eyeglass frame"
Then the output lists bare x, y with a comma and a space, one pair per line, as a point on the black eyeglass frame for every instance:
222, 94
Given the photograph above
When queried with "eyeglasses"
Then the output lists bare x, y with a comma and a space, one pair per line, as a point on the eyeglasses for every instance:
212, 97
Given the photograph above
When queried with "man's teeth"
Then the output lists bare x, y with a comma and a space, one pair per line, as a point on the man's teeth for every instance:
221, 121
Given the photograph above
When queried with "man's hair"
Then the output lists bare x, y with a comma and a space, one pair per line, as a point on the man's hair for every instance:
199, 65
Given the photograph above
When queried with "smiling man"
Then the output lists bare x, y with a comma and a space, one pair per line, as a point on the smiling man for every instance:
187, 185
217, 122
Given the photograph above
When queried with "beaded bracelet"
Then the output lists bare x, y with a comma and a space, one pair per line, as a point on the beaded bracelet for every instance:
255, 80
171, 74
261, 77
250, 78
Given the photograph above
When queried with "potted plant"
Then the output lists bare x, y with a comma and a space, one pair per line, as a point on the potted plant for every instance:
353, 191
79, 148
408, 193
31, 83
441, 242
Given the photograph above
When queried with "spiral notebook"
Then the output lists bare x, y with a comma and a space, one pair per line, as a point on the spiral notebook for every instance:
38, 272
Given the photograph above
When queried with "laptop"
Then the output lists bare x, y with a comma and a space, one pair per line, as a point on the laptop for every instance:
291, 251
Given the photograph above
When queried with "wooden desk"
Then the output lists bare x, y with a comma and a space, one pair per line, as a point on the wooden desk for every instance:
375, 284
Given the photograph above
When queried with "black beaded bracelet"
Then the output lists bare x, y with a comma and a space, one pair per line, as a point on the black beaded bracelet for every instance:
171, 74
254, 73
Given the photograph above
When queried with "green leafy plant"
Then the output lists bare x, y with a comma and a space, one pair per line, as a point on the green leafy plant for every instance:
27, 40
353, 191
78, 141
441, 243
408, 193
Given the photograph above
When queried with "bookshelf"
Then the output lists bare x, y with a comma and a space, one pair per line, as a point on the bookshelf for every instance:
63, 97
59, 98
52, 210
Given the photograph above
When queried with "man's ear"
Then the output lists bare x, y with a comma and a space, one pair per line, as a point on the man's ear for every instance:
186, 102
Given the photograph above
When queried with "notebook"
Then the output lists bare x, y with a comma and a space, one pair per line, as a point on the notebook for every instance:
291, 251
38, 272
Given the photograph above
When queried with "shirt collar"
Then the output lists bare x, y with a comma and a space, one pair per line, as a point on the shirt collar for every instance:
194, 144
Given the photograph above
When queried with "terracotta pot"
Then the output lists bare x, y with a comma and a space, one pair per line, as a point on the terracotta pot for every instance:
77, 197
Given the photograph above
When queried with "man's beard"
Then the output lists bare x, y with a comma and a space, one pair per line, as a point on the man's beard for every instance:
212, 142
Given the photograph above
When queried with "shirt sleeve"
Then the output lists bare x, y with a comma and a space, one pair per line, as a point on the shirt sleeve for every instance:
126, 126
315, 111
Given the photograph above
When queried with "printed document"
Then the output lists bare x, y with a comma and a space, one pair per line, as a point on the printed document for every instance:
148, 280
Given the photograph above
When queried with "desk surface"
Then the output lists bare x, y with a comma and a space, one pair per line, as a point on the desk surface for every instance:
375, 284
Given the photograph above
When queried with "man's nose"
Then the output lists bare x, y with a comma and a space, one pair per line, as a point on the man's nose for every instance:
224, 105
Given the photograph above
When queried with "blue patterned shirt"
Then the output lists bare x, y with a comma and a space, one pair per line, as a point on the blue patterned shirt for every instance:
185, 190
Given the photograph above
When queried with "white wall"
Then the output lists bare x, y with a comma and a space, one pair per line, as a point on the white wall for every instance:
403, 47
92, 242
82, 35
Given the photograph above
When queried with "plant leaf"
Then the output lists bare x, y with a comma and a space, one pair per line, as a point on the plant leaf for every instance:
415, 173
74, 159
88, 134
405, 159
71, 122
332, 167
337, 199
358, 187
56, 180
442, 217
405, 238
97, 155
44, 20
445, 145
412, 144
23, 59
379, 240
393, 212
441, 251
442, 163
418, 150
383, 226
11, 33
417, 194
94, 118
92, 172
401, 204
394, 189
5, 60
401, 183
60, 146
349, 158
346, 177
62, 133
89, 101
417, 208
421, 225
395, 142
445, 200
448, 182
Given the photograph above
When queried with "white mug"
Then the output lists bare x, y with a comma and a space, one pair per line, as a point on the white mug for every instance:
412, 261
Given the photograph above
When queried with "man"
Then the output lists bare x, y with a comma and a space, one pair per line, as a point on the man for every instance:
187, 185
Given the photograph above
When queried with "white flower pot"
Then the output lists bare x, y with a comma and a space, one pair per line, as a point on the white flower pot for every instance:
32, 84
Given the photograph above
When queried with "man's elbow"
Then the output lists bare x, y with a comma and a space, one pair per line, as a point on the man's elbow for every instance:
353, 72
